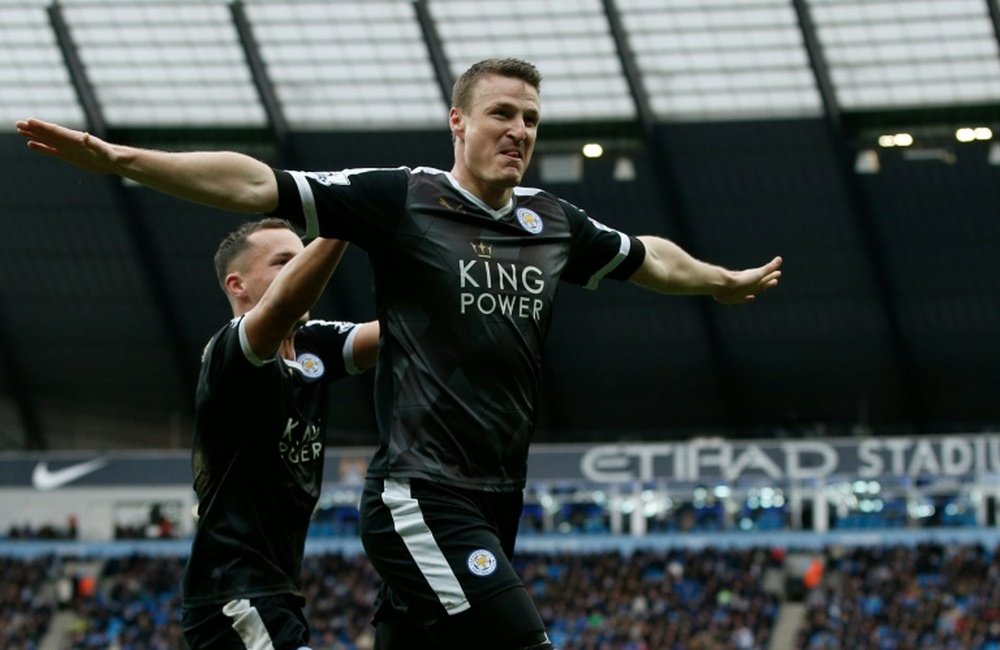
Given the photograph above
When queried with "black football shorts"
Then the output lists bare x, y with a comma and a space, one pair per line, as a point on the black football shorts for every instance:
439, 549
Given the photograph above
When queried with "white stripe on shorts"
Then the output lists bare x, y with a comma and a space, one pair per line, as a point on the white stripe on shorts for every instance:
409, 522
248, 624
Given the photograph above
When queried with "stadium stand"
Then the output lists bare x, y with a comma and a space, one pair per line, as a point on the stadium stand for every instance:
26, 601
923, 596
929, 596
677, 599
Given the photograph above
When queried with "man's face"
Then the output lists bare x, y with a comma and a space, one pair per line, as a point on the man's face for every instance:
270, 249
495, 136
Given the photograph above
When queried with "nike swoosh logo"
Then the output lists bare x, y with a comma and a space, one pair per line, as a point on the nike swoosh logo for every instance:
44, 479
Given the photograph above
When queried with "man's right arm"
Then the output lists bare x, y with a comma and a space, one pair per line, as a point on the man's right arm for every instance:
293, 292
366, 345
219, 179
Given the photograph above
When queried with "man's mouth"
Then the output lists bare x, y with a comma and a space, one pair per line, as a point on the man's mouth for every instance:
512, 154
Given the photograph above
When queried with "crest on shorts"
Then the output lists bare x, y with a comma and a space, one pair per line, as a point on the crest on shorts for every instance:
312, 366
482, 562
529, 220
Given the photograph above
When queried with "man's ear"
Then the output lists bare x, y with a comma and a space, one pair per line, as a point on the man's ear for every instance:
457, 122
234, 285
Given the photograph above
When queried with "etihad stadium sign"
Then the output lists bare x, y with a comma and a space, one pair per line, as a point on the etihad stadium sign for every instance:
701, 460
794, 460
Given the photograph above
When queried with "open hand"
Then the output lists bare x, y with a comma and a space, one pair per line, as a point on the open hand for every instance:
744, 286
78, 148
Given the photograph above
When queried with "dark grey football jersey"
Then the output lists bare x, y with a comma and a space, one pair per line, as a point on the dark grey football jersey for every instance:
464, 296
257, 459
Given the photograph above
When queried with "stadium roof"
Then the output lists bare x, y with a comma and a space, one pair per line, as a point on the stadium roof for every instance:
852, 136
185, 63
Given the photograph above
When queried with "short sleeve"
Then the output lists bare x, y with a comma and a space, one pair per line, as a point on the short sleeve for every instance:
357, 205
597, 251
333, 343
225, 360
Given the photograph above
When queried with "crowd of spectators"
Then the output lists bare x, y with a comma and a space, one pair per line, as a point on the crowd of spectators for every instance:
339, 593
135, 606
926, 597
883, 598
159, 524
45, 531
673, 600
25, 611
663, 600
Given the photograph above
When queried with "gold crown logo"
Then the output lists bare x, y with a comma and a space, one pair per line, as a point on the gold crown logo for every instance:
482, 250
443, 202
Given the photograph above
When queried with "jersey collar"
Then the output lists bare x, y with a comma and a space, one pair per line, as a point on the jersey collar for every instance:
496, 214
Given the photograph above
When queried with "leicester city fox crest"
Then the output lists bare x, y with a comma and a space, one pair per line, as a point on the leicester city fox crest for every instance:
482, 562
312, 366
529, 220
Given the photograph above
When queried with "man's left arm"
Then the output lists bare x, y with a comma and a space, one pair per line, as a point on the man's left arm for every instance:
668, 268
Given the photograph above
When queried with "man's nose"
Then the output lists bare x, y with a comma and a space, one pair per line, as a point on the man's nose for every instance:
518, 130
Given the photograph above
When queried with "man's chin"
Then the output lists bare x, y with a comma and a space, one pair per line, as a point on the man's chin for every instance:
511, 176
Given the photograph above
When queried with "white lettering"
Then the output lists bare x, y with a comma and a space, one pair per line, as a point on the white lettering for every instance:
604, 464
924, 460
486, 303
308, 453
720, 456
464, 276
793, 460
679, 464
533, 280
613, 464
956, 456
994, 455
506, 304
302, 449
795, 469
524, 307
872, 465
646, 454
508, 278
898, 449
753, 457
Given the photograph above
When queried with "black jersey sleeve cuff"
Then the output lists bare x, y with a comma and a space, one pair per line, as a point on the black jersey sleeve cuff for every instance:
631, 263
289, 203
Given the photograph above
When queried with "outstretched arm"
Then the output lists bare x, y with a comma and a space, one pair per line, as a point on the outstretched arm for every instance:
223, 179
668, 268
